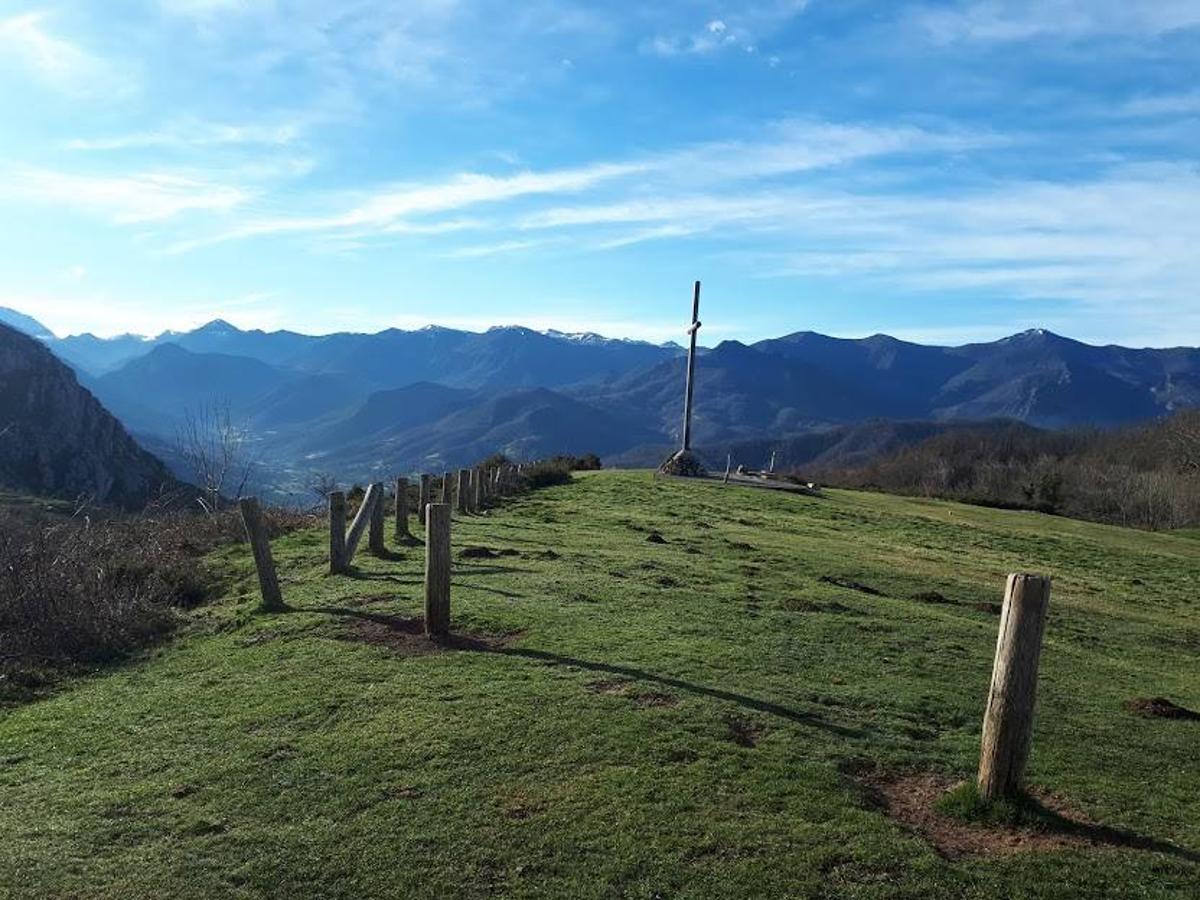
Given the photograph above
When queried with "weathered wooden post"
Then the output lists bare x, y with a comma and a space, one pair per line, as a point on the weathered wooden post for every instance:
337, 532
447, 488
423, 498
464, 485
402, 532
690, 388
477, 493
728, 463
360, 523
260, 546
1008, 721
437, 570
375, 540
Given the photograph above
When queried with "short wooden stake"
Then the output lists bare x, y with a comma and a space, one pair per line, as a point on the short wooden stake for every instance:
337, 532
437, 570
1008, 721
402, 532
464, 486
423, 497
260, 546
375, 540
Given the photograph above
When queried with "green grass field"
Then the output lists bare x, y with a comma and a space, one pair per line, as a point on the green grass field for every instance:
676, 719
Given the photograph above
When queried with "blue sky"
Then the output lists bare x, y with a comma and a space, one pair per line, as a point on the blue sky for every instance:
942, 171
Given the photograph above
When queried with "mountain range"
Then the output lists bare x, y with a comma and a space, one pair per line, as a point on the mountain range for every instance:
358, 405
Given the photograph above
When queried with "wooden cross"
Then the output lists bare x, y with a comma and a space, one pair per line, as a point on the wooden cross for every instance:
691, 370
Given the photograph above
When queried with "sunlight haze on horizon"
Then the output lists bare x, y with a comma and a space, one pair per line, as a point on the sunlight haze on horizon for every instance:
943, 172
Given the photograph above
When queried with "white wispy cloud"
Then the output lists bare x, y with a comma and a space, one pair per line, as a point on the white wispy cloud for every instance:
786, 148
477, 251
1020, 20
124, 199
191, 134
1186, 103
58, 62
1100, 241
741, 28
385, 210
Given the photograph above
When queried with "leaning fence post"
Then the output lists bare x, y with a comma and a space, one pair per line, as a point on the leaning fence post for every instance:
260, 545
464, 484
1008, 721
437, 570
402, 509
423, 497
359, 525
337, 531
375, 541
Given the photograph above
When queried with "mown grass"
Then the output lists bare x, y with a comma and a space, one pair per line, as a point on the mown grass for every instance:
673, 719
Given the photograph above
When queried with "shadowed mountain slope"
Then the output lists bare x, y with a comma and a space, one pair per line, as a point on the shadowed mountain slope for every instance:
57, 440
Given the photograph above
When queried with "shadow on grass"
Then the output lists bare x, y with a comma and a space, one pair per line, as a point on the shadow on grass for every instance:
1094, 833
742, 700
499, 592
467, 568
406, 630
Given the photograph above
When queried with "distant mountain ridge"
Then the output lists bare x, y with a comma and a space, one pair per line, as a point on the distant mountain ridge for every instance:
438, 398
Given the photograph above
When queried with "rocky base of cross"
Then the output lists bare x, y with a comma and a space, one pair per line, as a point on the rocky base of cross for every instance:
684, 463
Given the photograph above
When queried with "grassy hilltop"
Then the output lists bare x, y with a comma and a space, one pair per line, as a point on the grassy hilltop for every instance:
703, 716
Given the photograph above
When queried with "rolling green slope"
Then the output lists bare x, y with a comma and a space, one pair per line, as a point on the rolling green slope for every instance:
634, 718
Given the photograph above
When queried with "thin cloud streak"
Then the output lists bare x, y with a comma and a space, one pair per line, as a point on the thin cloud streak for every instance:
57, 62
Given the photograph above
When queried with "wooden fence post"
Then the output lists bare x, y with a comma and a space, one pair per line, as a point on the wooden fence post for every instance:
1008, 721
402, 532
728, 464
423, 498
464, 485
359, 525
437, 570
337, 532
477, 488
375, 540
448, 488
260, 545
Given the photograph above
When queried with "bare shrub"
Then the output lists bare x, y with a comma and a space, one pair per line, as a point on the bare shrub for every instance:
90, 588
218, 451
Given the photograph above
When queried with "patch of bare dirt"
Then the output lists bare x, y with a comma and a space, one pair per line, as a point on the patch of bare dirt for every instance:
1160, 708
624, 687
406, 636
745, 732
912, 801
615, 686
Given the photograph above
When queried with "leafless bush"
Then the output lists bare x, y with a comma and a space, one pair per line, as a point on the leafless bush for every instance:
82, 590
218, 451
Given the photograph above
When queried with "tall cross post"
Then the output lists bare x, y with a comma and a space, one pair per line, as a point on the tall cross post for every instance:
691, 370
